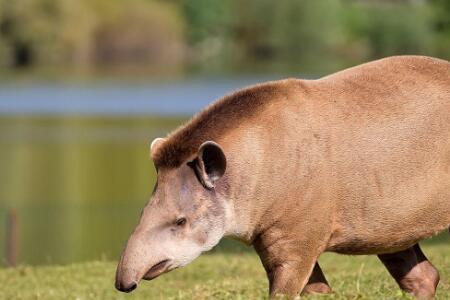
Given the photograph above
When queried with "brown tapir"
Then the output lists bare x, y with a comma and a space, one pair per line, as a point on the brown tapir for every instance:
357, 162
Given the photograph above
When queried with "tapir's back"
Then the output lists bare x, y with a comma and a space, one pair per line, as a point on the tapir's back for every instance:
389, 134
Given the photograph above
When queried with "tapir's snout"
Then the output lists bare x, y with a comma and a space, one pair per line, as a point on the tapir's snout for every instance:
127, 273
126, 288
126, 281
139, 261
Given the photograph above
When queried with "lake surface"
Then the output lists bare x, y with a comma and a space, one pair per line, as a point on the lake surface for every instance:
77, 183
74, 162
176, 98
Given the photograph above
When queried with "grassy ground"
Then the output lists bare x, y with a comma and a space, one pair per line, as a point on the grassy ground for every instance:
212, 276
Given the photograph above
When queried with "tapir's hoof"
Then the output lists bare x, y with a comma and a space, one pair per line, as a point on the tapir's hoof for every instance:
422, 281
317, 288
424, 293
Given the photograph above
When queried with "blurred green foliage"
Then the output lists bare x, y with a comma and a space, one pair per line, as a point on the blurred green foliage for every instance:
84, 33
218, 35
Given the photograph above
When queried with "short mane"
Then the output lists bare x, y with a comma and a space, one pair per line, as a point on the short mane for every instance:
215, 120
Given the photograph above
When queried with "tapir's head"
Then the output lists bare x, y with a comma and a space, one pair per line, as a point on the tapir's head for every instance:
184, 217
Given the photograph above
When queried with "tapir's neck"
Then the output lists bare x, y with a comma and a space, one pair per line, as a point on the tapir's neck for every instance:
244, 214
246, 195
236, 226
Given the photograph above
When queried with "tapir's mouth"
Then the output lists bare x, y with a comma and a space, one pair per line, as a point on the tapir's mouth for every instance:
158, 269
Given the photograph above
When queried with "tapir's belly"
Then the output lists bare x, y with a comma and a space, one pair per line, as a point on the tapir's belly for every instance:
391, 232
394, 219
383, 241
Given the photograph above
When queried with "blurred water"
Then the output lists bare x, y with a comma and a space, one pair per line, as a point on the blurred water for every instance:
176, 98
77, 183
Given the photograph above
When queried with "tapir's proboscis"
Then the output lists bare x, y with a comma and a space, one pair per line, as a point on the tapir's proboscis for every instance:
357, 162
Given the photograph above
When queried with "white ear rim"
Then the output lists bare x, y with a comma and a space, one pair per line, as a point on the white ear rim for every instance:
155, 142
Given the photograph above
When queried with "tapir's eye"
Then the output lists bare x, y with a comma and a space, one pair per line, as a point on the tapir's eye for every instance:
180, 221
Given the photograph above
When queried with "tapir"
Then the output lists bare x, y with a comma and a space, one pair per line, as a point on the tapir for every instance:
357, 162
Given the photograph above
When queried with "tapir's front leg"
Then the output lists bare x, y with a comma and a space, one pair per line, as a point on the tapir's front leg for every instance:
289, 278
289, 264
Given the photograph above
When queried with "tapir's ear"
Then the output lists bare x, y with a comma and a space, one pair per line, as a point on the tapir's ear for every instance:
154, 145
210, 164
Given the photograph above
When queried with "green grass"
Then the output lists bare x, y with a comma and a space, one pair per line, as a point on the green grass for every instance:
212, 276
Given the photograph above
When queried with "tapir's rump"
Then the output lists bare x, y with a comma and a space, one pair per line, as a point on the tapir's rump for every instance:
357, 162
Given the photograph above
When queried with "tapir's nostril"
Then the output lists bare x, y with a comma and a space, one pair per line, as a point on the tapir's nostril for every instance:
126, 288
131, 287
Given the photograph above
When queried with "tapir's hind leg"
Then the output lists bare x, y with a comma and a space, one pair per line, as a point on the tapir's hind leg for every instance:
317, 283
412, 271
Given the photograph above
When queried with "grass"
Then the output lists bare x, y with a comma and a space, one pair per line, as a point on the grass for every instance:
212, 276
